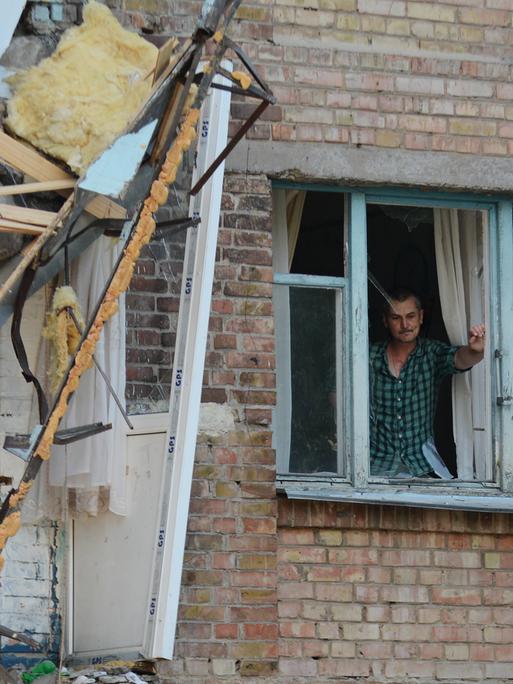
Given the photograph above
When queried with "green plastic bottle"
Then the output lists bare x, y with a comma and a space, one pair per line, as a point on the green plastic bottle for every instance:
45, 667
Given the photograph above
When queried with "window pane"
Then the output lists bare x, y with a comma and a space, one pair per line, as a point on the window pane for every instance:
315, 363
440, 255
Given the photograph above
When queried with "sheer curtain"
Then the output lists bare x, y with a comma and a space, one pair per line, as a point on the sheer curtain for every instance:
287, 212
294, 202
89, 476
459, 247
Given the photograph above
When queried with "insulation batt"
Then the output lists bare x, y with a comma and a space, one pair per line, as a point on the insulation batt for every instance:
73, 104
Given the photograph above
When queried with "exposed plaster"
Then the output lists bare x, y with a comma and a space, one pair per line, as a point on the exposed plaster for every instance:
215, 419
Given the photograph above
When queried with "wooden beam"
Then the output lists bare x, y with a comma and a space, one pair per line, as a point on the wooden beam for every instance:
26, 159
43, 186
35, 246
37, 217
164, 57
18, 227
29, 161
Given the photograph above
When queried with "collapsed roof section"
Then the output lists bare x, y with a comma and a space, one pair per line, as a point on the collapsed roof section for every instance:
132, 176
73, 104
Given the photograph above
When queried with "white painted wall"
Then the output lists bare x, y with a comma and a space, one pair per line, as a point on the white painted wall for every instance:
26, 580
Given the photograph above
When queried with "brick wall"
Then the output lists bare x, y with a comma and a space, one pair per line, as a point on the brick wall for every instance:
330, 593
386, 73
228, 614
388, 594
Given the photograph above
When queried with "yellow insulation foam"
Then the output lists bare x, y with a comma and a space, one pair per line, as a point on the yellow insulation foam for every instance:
75, 103
18, 496
62, 333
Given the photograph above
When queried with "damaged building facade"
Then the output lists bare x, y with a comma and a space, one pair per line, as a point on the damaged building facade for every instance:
385, 162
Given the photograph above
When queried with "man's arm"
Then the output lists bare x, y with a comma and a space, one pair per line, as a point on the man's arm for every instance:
473, 352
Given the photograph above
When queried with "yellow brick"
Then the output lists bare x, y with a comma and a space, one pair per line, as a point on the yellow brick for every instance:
252, 13
202, 596
311, 4
471, 35
330, 537
305, 17
257, 668
492, 560
347, 22
372, 24
479, 128
388, 138
257, 595
258, 508
338, 5
398, 27
207, 472
440, 47
343, 37
343, 118
255, 649
446, 32
432, 11
257, 562
226, 489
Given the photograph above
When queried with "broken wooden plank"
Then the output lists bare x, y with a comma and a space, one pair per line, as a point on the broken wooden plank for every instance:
37, 217
35, 246
29, 161
26, 159
164, 57
7, 226
43, 186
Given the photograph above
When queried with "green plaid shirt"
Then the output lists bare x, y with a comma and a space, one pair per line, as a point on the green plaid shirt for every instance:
403, 409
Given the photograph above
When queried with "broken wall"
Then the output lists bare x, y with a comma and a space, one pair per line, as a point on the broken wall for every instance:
31, 582
368, 91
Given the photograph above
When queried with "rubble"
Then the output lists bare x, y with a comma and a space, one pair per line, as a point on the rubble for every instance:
101, 674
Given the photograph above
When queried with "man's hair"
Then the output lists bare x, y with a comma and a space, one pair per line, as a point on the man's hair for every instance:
400, 295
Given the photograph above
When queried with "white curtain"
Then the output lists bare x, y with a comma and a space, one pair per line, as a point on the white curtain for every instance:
88, 476
295, 202
460, 266
287, 212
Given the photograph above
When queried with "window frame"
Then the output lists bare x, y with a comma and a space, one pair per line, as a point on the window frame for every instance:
358, 486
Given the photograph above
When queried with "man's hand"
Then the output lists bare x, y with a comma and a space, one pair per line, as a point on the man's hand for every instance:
476, 338
468, 356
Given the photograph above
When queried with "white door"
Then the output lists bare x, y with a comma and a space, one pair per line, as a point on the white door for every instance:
112, 559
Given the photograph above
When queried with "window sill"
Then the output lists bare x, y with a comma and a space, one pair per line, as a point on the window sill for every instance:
430, 495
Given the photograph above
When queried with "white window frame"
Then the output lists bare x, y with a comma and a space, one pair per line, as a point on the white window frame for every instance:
358, 486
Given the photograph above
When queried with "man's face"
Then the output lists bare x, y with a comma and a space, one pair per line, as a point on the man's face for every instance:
404, 321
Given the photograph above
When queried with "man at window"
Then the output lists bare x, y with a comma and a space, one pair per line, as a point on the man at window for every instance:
405, 375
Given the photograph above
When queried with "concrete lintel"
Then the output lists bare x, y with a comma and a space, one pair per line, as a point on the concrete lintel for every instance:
344, 165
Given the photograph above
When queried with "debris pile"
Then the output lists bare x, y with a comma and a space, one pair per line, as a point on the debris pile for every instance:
113, 673
117, 674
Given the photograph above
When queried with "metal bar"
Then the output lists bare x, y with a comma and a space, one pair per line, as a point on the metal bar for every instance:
249, 65
16, 636
237, 90
76, 434
103, 374
182, 222
258, 92
233, 142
